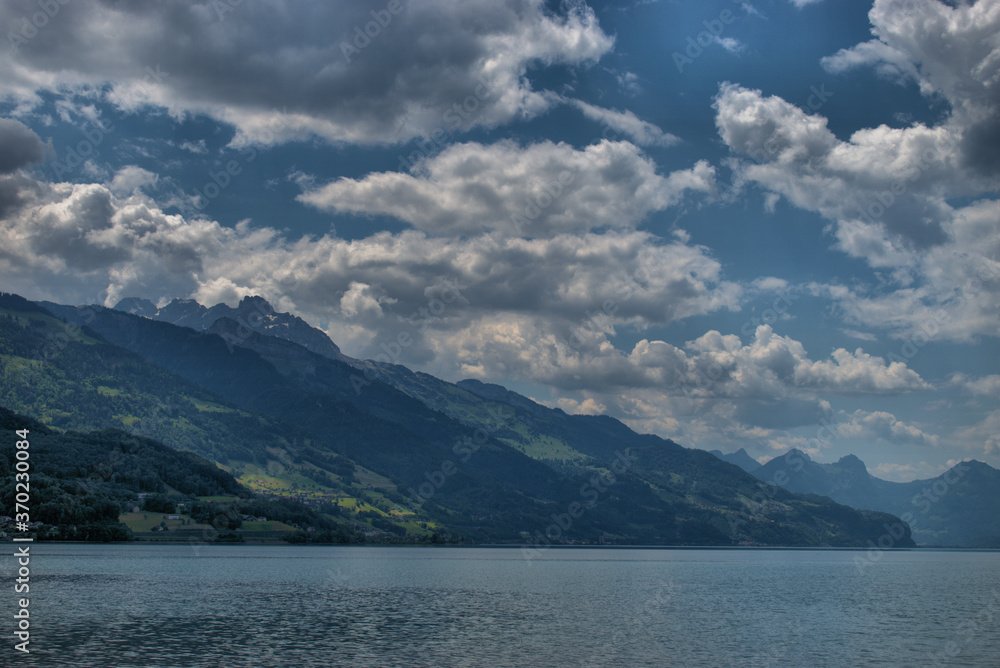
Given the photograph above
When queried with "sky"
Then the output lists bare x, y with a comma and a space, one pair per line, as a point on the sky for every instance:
767, 224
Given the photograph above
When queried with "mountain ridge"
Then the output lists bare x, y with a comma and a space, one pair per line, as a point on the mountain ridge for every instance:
440, 444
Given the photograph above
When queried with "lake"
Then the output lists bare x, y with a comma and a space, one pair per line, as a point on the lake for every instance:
153, 606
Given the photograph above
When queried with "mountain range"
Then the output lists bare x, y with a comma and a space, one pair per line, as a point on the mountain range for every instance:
276, 403
846, 481
959, 507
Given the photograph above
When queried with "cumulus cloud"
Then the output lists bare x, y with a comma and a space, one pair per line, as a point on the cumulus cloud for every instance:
494, 306
541, 190
951, 50
117, 242
130, 178
885, 426
889, 193
893, 181
713, 366
304, 70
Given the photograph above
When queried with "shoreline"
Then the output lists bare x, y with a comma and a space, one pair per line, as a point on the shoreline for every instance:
509, 546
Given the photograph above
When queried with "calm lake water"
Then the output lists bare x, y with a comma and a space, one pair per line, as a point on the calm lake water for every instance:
243, 606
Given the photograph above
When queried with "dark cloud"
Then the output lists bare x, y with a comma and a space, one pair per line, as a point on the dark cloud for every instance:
981, 147
353, 72
19, 146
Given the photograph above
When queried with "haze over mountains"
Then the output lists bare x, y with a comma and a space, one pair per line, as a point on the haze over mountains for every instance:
416, 453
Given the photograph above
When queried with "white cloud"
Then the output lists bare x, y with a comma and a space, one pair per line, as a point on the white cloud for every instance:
361, 300
887, 191
984, 386
731, 44
130, 178
983, 438
197, 147
951, 50
885, 426
639, 131
906, 472
541, 190
863, 336
119, 244
585, 407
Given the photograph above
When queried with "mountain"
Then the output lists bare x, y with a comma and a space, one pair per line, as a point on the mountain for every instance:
740, 458
491, 468
960, 507
254, 313
83, 484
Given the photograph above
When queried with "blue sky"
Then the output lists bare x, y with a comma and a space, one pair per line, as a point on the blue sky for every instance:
763, 224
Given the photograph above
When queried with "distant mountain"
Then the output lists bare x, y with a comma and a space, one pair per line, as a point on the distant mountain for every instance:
960, 507
425, 455
254, 313
740, 458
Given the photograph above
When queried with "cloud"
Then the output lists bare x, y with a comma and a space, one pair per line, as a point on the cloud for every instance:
116, 242
951, 50
198, 147
131, 178
888, 179
731, 44
771, 368
855, 334
639, 131
585, 407
542, 310
885, 426
906, 472
988, 386
540, 190
19, 146
889, 193
307, 70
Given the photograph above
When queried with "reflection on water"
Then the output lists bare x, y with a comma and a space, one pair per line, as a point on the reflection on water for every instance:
248, 606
